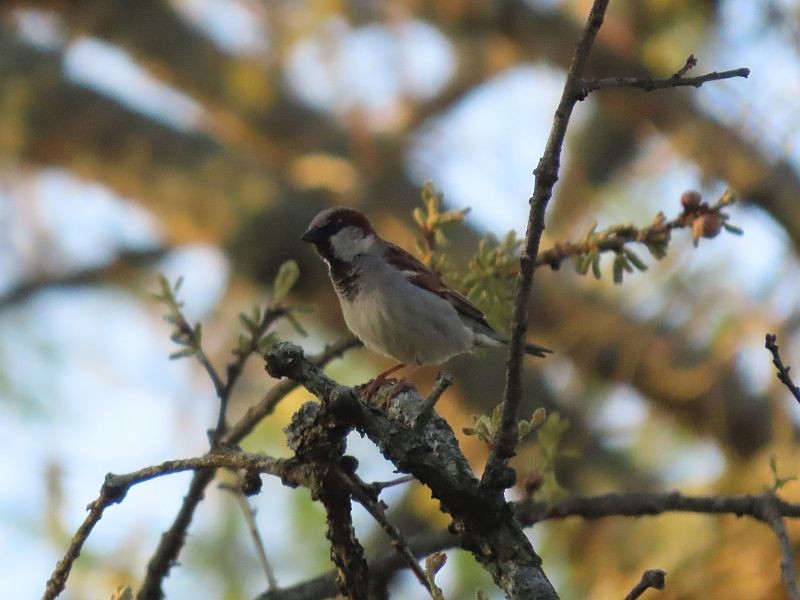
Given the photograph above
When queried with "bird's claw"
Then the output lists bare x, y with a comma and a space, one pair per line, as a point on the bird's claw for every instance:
375, 385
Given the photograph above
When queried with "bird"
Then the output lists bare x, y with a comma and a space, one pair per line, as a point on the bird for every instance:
392, 302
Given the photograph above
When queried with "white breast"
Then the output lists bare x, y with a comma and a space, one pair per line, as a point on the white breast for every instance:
400, 320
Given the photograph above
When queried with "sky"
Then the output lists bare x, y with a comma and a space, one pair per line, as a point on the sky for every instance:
131, 402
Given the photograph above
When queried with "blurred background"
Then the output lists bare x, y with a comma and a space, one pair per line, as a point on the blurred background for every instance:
198, 138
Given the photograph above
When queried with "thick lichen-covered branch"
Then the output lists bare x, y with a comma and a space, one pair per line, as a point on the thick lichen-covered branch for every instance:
483, 520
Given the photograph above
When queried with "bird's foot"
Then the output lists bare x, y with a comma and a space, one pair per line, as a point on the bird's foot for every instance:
376, 384
379, 381
398, 386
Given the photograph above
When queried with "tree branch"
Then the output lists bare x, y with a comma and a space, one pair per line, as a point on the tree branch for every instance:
318, 440
772, 516
497, 474
649, 84
115, 487
483, 519
704, 220
652, 578
250, 518
367, 497
172, 540
235, 368
783, 371
121, 264
632, 504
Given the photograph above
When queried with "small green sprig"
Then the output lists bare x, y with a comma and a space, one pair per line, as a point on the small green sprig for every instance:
433, 221
549, 439
255, 336
777, 481
489, 281
490, 273
705, 221
188, 337
123, 592
487, 426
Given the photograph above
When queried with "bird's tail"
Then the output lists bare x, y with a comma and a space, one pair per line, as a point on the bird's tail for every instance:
537, 350
496, 339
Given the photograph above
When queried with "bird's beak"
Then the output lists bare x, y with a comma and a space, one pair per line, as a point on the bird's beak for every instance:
313, 235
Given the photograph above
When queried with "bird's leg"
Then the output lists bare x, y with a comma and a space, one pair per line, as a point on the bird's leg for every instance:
379, 380
398, 386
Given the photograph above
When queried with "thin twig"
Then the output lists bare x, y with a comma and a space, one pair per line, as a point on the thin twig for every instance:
379, 486
648, 84
216, 380
250, 517
358, 489
115, 487
236, 368
58, 579
774, 519
381, 568
443, 381
652, 578
172, 540
783, 371
617, 237
496, 474
691, 63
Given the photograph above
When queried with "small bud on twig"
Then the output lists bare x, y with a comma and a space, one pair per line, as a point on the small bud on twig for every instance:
690, 200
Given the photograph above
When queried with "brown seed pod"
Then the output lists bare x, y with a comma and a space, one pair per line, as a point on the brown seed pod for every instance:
707, 226
690, 200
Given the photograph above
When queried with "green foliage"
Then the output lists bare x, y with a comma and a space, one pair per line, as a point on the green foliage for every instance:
255, 337
537, 420
287, 277
486, 427
285, 280
123, 592
490, 275
549, 428
594, 243
704, 221
489, 281
432, 221
549, 437
184, 335
778, 482
433, 564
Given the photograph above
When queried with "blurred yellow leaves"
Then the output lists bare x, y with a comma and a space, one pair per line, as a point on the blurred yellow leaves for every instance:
246, 82
324, 171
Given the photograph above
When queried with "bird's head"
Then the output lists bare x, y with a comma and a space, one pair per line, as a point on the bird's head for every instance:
340, 233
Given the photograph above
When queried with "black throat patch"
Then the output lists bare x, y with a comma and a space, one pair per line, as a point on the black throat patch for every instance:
344, 275
345, 278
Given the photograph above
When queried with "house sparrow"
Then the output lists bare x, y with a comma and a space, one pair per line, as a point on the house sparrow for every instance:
391, 301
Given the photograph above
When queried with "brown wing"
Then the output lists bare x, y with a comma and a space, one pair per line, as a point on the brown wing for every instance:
419, 274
